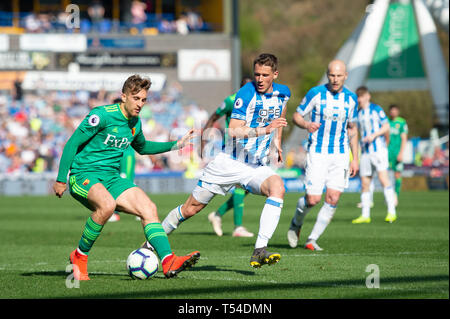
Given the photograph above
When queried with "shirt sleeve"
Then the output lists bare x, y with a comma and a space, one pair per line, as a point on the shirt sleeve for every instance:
404, 128
241, 102
353, 115
77, 139
93, 123
308, 102
90, 126
382, 116
144, 147
285, 93
226, 107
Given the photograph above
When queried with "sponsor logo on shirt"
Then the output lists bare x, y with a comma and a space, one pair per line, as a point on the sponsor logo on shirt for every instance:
118, 142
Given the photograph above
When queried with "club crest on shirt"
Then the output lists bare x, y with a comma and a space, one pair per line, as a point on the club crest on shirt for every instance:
133, 131
94, 120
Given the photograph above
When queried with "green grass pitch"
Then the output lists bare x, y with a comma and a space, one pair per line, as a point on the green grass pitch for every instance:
38, 233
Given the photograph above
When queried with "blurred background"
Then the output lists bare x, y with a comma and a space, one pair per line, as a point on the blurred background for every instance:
60, 58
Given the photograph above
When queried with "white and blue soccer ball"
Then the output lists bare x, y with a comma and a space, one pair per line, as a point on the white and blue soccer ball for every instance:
142, 264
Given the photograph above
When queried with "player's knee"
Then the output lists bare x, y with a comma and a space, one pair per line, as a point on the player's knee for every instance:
106, 209
332, 199
148, 213
152, 208
109, 207
279, 191
277, 188
313, 200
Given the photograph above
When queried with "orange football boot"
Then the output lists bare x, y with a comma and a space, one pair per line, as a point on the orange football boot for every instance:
173, 264
79, 263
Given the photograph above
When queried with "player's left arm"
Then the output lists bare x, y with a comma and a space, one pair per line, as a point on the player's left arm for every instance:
353, 141
387, 137
278, 141
145, 147
404, 139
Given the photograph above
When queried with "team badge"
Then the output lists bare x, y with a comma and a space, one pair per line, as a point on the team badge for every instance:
86, 181
93, 120
238, 104
133, 131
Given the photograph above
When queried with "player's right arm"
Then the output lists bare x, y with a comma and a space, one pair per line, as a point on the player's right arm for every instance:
299, 120
383, 131
87, 128
238, 127
305, 107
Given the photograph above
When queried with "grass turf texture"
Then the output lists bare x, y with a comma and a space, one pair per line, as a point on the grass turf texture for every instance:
38, 233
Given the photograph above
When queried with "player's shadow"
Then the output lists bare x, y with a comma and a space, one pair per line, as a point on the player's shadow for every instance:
283, 246
271, 247
198, 233
215, 268
64, 274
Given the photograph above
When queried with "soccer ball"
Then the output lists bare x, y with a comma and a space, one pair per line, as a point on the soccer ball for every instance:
142, 263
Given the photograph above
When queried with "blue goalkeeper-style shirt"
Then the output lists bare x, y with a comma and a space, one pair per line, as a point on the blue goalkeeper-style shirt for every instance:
257, 110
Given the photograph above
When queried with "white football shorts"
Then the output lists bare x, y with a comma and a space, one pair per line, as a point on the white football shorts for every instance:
224, 172
330, 170
371, 162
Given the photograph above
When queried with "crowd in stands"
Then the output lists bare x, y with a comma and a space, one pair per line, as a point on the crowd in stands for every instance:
35, 126
95, 21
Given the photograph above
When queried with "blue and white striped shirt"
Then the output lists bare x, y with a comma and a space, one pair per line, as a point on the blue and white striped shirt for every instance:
257, 110
370, 120
333, 111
